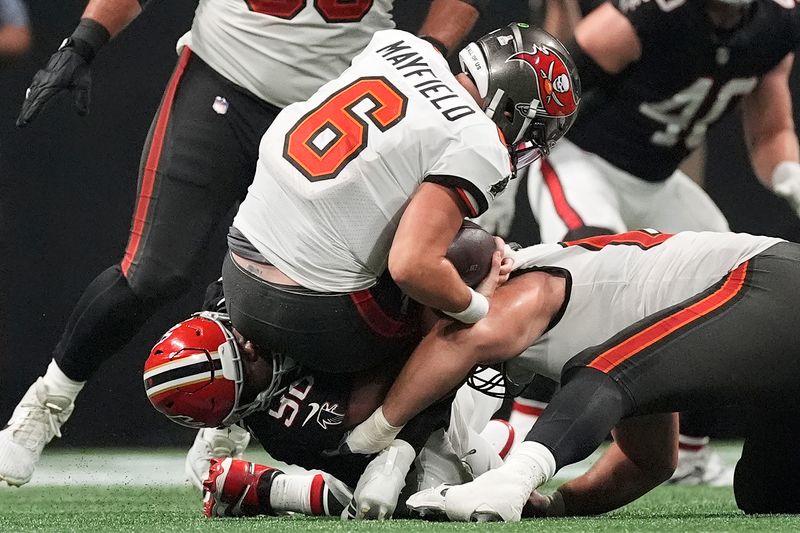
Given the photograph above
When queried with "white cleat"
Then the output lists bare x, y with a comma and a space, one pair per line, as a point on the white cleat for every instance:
35, 421
428, 504
497, 495
211, 443
702, 467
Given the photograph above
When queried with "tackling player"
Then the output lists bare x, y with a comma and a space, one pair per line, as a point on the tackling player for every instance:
631, 324
239, 64
657, 75
297, 415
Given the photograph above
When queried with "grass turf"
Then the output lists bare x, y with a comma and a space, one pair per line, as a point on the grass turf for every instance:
160, 509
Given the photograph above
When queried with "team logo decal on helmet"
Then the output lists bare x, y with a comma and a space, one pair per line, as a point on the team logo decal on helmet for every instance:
555, 86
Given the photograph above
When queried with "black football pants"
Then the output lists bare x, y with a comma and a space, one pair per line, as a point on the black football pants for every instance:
197, 162
742, 345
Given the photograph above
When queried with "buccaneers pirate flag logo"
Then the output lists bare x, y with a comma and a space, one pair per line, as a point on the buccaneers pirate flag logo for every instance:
556, 93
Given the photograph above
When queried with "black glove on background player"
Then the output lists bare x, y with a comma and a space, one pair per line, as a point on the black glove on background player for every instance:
67, 70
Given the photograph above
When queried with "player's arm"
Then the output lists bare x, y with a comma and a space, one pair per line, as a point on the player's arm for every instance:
561, 17
417, 259
521, 311
449, 21
15, 34
643, 455
605, 43
770, 135
68, 68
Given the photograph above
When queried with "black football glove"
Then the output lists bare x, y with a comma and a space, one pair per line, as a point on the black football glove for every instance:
67, 71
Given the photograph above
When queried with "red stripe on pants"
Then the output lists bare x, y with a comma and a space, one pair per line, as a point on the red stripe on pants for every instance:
566, 213
628, 348
151, 165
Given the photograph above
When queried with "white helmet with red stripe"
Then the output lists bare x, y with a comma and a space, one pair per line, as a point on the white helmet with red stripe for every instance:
194, 374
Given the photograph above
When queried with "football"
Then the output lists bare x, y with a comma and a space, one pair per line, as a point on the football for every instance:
471, 252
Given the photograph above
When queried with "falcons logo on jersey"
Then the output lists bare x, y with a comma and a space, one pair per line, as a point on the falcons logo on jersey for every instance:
327, 414
554, 82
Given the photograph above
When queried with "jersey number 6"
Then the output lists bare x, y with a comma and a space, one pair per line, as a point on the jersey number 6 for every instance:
331, 10
336, 131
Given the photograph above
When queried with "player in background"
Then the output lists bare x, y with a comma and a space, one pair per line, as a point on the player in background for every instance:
657, 75
239, 64
641, 323
15, 33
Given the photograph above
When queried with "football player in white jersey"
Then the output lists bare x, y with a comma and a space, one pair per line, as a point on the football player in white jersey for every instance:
239, 64
640, 323
360, 190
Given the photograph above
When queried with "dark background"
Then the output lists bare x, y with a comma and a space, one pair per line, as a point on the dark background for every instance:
67, 186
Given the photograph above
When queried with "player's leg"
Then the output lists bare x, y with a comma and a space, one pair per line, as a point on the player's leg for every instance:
679, 204
570, 195
193, 169
766, 479
529, 406
239, 488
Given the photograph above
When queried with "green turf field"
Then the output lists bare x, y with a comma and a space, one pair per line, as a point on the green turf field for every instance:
164, 509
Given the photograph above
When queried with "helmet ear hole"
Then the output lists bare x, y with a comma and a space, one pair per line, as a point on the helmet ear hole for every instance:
508, 112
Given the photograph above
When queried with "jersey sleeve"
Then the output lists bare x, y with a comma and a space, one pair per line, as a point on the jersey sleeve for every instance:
477, 167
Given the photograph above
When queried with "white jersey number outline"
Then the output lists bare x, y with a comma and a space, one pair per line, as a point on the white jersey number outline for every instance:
678, 113
332, 134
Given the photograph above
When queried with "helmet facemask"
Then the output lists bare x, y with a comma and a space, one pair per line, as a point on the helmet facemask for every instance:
233, 370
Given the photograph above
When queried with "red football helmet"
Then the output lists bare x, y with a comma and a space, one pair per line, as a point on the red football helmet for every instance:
194, 374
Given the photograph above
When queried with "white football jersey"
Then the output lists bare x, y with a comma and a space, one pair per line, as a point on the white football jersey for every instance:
617, 280
283, 51
336, 172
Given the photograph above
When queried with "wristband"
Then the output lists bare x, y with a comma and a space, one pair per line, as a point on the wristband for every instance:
478, 308
373, 434
88, 38
439, 45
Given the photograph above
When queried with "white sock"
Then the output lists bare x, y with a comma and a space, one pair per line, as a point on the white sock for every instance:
524, 414
291, 493
534, 461
58, 384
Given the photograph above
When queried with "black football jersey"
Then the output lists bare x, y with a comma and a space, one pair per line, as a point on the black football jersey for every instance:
688, 76
306, 420
309, 419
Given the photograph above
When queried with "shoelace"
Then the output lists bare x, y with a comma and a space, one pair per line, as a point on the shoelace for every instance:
37, 415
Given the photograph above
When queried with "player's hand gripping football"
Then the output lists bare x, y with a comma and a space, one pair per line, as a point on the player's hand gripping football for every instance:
502, 263
66, 71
